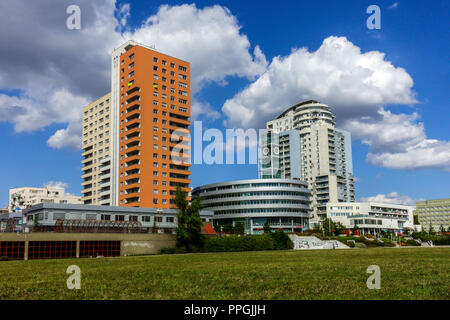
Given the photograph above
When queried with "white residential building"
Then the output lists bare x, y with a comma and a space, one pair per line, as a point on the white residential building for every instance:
372, 217
96, 162
20, 198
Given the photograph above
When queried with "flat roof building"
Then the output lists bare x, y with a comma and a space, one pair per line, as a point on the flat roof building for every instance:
20, 198
47, 215
283, 203
372, 217
435, 213
96, 146
150, 94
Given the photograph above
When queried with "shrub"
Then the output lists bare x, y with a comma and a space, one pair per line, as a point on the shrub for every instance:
442, 241
4, 258
351, 244
171, 250
360, 245
282, 240
239, 243
412, 243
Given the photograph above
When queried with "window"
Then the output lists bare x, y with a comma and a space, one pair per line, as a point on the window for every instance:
155, 59
182, 68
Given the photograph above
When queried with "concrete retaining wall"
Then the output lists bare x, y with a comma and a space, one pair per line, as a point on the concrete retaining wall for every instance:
131, 243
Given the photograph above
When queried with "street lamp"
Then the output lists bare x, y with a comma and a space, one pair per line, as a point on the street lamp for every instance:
246, 225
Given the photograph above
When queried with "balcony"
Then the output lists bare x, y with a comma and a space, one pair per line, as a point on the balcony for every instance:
133, 90
105, 193
105, 167
105, 159
133, 99
134, 107
105, 176
104, 202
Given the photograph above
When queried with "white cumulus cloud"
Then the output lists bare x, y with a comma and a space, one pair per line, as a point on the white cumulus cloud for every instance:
53, 72
393, 197
337, 73
357, 86
56, 184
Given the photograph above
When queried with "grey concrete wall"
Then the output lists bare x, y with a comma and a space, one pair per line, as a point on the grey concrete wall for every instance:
131, 243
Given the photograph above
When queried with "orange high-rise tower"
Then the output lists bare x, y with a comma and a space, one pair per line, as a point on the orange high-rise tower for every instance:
151, 100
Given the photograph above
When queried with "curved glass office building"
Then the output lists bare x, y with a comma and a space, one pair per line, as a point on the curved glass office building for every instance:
283, 203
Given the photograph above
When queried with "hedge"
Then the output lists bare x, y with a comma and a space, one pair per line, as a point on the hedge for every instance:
277, 240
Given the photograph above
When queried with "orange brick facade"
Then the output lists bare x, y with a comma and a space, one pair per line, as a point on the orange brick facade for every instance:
154, 102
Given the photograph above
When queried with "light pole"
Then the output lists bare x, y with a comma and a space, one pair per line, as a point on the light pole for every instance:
246, 225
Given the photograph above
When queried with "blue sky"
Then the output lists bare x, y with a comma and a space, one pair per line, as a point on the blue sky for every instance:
413, 37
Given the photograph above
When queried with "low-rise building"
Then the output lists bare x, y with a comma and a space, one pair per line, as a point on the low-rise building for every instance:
282, 203
46, 215
372, 217
435, 213
20, 198
11, 222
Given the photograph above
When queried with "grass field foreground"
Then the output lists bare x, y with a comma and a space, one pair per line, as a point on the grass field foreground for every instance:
419, 273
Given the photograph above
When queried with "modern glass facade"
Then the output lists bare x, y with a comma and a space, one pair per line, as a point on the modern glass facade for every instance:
283, 203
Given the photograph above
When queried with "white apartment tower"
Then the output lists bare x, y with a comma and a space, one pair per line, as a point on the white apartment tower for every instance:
303, 143
96, 145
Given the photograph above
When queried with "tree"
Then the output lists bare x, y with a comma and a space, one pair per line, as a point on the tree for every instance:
442, 229
332, 228
340, 228
327, 225
355, 228
155, 227
228, 228
431, 230
189, 228
266, 227
239, 228
217, 228
35, 224
448, 229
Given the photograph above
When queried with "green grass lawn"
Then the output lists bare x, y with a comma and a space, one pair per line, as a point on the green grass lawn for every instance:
419, 273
